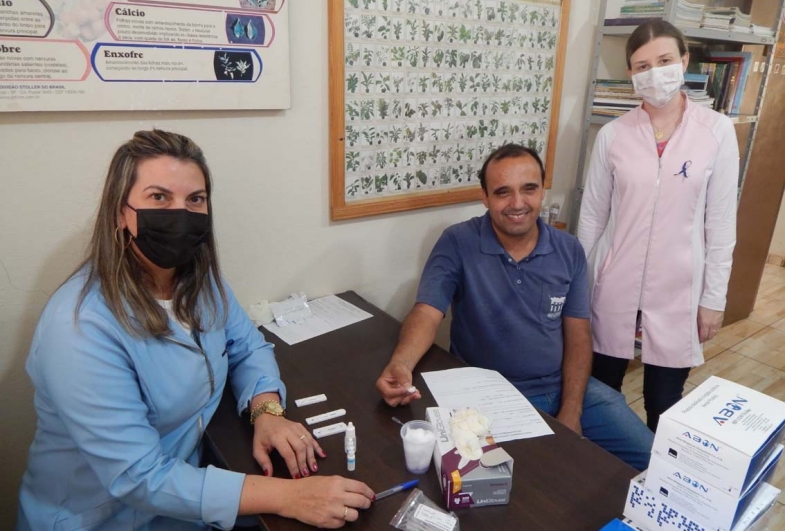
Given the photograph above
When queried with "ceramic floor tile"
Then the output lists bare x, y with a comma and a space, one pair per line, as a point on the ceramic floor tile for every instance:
767, 311
779, 325
635, 363
760, 302
745, 371
632, 389
736, 333
776, 293
710, 350
771, 269
768, 287
767, 346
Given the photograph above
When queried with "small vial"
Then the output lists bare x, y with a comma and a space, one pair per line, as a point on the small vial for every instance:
350, 447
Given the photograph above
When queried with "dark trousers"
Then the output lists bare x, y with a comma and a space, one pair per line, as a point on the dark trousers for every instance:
662, 386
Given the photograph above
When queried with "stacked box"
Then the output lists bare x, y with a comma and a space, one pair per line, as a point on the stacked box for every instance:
712, 455
649, 512
722, 433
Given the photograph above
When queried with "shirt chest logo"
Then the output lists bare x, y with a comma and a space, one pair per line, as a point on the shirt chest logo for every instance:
684, 168
557, 303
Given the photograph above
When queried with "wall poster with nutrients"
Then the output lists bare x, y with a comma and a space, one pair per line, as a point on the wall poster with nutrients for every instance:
84, 55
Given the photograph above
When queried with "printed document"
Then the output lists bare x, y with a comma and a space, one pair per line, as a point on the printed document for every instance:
512, 416
327, 314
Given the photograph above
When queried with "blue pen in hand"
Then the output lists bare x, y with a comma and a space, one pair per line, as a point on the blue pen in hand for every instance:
396, 489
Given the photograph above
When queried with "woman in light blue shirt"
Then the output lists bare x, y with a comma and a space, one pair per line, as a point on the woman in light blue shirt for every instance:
129, 361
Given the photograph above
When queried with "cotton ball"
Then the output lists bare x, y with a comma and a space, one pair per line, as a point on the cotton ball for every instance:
419, 435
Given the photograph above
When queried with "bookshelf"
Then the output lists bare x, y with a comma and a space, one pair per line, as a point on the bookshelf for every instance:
608, 63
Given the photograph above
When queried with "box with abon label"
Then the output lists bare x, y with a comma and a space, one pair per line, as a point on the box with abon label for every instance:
722, 433
705, 503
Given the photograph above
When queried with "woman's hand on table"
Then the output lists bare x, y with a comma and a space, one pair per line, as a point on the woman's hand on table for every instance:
296, 445
327, 502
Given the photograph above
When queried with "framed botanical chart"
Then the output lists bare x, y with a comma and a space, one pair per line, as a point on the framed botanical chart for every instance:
421, 91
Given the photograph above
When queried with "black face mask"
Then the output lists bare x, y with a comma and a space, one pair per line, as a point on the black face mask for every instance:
170, 237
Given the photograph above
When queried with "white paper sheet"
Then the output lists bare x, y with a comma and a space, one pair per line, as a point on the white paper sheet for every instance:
512, 416
329, 313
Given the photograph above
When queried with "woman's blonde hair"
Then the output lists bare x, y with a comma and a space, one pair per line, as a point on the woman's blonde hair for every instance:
123, 281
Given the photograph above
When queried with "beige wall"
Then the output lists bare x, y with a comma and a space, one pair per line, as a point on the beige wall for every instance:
270, 201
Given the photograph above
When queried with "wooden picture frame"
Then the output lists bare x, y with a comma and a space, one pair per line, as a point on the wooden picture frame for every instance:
490, 64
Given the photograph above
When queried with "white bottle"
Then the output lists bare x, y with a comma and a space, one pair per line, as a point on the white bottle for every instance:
350, 447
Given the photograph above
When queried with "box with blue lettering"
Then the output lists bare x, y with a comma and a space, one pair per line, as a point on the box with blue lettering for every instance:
703, 501
722, 433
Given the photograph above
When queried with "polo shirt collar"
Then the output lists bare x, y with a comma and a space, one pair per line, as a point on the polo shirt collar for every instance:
490, 244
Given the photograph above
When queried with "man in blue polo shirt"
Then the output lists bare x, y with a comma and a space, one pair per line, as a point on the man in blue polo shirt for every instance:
520, 305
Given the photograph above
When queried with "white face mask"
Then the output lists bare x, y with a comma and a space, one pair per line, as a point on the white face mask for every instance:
658, 86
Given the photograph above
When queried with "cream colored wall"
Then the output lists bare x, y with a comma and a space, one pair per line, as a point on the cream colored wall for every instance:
270, 202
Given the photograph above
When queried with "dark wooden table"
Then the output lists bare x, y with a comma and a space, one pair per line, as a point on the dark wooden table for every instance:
560, 482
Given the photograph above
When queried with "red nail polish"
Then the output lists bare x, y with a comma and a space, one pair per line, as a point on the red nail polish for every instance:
297, 476
374, 497
305, 472
315, 467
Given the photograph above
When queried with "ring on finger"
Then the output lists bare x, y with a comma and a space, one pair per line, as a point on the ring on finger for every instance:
303, 436
345, 512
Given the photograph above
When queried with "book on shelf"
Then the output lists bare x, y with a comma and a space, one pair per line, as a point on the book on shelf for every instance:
743, 66
688, 15
727, 78
633, 12
614, 97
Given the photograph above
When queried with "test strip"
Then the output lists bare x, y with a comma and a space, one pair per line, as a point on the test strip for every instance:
325, 416
315, 399
332, 429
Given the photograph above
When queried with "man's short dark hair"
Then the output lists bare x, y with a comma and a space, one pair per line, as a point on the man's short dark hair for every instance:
511, 151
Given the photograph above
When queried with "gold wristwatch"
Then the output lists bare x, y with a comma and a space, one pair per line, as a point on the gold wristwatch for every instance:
273, 407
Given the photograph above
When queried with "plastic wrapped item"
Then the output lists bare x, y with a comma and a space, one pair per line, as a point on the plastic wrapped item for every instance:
419, 513
294, 309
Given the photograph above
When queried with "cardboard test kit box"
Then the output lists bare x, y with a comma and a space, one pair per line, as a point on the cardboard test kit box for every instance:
722, 433
465, 483
714, 507
651, 512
